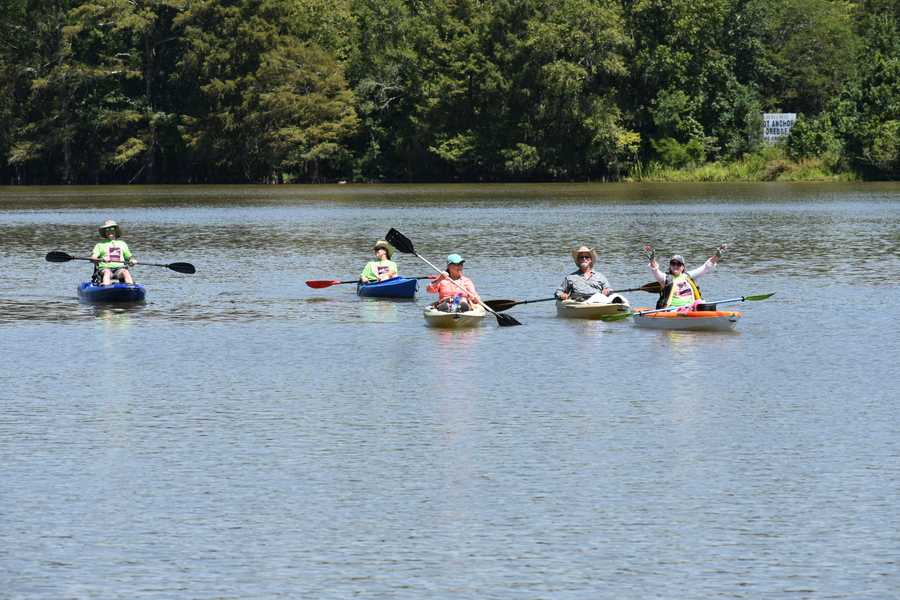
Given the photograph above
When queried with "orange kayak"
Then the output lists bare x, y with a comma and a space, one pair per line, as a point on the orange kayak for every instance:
695, 320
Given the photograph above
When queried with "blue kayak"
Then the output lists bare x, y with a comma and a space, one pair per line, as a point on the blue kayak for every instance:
398, 287
117, 292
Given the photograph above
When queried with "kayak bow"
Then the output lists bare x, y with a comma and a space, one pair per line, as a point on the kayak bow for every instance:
121, 293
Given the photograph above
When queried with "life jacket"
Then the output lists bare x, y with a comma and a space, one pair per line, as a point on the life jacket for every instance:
670, 289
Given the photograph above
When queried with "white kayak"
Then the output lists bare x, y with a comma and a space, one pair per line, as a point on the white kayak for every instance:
573, 309
454, 320
695, 320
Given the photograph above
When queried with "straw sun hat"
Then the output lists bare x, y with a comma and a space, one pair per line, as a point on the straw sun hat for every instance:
385, 245
582, 250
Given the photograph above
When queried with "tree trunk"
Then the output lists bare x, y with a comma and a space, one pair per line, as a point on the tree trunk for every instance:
149, 70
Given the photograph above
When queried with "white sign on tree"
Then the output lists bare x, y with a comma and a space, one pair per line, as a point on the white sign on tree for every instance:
777, 125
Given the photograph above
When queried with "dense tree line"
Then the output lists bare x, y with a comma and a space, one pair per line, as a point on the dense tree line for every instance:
101, 91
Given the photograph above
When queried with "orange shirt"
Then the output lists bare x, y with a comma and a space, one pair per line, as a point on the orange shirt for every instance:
446, 289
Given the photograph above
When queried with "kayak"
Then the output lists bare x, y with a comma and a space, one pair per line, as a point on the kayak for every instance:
573, 309
695, 320
398, 287
454, 320
117, 292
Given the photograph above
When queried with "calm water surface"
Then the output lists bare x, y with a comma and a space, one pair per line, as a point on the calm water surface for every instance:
245, 436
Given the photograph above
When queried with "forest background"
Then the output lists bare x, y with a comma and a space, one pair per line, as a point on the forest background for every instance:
203, 91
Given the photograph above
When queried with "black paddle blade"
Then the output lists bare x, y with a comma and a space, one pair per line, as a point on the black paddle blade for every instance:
181, 267
506, 320
399, 241
652, 288
500, 305
58, 257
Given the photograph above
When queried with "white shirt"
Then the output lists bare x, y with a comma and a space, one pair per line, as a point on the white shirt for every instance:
706, 267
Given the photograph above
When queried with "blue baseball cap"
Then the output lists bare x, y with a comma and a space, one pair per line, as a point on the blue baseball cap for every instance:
455, 259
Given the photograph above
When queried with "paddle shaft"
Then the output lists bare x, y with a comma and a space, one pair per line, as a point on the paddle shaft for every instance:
726, 301
539, 300
652, 288
324, 283
70, 257
179, 267
501, 305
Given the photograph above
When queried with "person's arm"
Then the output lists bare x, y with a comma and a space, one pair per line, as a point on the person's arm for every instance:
604, 284
562, 292
705, 268
657, 274
95, 254
471, 293
127, 255
435, 286
368, 273
391, 272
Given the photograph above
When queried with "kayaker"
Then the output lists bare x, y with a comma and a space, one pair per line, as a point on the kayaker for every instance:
585, 284
679, 287
112, 257
450, 297
382, 268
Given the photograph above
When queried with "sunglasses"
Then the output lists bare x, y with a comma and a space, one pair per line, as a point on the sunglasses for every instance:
584, 256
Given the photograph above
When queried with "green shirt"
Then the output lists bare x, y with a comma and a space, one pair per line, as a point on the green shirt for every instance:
375, 268
112, 254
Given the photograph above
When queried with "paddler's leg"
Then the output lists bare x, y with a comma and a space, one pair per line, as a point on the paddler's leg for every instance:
125, 275
106, 274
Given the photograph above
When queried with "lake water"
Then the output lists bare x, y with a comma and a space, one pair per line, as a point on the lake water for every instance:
244, 436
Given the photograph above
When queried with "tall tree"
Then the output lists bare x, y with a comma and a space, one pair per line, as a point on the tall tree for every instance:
266, 105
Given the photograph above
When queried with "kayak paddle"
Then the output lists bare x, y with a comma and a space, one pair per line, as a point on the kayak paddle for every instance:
180, 267
324, 283
501, 305
405, 245
625, 315
654, 287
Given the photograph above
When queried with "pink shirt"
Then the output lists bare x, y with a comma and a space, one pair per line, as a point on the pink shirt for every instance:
446, 289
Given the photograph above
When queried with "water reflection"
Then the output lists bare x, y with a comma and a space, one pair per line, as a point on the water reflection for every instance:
373, 310
114, 316
456, 340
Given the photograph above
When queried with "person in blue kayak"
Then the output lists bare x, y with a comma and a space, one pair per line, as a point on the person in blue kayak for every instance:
679, 287
112, 256
584, 284
382, 268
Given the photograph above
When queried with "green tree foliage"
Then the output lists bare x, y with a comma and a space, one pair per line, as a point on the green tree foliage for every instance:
318, 90
808, 43
866, 114
265, 105
479, 90
684, 82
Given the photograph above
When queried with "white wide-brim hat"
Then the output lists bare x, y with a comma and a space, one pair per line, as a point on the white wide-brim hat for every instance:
110, 224
583, 249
